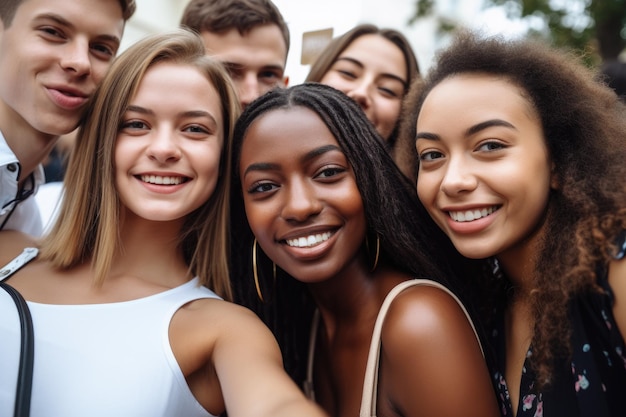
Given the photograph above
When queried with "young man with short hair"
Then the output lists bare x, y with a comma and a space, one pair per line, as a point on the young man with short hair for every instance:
53, 53
249, 37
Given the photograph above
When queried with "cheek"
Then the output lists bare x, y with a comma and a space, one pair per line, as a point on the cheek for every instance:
388, 113
336, 82
353, 205
425, 189
99, 70
259, 218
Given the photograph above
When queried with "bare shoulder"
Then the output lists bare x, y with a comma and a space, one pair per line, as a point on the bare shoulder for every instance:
425, 312
428, 342
617, 273
216, 320
424, 318
12, 243
617, 281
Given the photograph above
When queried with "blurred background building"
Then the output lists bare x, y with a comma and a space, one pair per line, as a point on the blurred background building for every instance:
305, 16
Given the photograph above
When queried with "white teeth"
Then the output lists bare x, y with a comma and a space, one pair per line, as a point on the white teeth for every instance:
156, 179
309, 241
469, 215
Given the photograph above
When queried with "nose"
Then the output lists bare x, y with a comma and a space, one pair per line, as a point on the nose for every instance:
248, 89
301, 201
458, 177
361, 94
76, 57
163, 148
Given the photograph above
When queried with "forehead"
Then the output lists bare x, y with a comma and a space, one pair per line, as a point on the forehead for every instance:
100, 17
260, 46
472, 95
186, 87
287, 131
378, 52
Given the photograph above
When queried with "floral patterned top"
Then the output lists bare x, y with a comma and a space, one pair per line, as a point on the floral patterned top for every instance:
593, 383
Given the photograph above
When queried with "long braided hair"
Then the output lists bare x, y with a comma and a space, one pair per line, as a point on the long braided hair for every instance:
408, 237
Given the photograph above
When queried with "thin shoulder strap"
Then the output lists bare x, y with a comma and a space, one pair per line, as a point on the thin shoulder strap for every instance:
370, 384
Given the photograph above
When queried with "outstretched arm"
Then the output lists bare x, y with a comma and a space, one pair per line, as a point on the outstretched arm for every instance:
431, 361
249, 367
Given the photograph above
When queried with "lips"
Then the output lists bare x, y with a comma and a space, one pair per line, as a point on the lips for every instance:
67, 98
471, 215
309, 240
163, 180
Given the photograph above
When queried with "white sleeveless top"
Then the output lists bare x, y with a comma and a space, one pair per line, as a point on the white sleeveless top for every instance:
103, 360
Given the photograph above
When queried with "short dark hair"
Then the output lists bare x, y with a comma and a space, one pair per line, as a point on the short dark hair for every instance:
218, 16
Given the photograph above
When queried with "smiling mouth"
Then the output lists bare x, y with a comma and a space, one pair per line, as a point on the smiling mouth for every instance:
308, 241
471, 215
159, 180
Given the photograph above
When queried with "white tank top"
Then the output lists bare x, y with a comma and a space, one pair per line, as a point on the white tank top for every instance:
103, 360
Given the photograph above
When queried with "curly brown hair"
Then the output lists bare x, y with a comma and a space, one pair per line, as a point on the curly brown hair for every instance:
584, 125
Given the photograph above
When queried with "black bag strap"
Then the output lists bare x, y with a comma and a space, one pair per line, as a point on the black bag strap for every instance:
27, 353
27, 342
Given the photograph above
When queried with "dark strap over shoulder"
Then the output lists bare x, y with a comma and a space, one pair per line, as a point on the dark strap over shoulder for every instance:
27, 344
27, 353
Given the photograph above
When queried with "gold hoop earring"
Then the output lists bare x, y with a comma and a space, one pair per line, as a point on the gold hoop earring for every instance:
377, 253
367, 248
255, 273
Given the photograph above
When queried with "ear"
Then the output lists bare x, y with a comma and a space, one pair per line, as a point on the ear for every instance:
286, 81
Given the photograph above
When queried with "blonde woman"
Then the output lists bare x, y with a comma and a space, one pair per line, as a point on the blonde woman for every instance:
124, 320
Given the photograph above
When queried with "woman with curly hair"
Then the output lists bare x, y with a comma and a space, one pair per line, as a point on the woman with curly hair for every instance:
521, 156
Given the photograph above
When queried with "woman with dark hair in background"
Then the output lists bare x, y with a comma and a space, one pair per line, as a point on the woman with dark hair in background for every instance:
373, 66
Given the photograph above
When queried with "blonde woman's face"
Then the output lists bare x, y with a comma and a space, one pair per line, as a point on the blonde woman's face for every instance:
168, 149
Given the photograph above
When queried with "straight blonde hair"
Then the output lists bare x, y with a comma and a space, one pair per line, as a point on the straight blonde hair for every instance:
87, 228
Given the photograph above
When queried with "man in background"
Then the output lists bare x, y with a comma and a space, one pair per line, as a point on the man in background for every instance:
53, 53
249, 37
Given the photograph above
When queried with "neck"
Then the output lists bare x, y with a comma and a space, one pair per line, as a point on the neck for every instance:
30, 146
353, 299
150, 250
519, 262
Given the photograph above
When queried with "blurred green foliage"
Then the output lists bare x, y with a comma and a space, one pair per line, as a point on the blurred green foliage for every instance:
596, 27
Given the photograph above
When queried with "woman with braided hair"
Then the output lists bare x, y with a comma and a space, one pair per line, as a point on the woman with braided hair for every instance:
327, 231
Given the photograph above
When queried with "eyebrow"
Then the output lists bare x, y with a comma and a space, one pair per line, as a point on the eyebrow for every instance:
266, 166
190, 113
236, 66
471, 131
360, 65
60, 20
